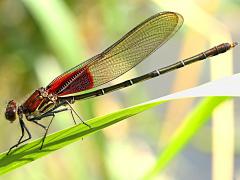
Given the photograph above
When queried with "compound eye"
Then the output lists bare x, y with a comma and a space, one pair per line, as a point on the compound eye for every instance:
11, 111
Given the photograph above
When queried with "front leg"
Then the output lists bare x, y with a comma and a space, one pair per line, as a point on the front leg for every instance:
23, 128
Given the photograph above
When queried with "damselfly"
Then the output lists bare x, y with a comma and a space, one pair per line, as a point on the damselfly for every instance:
116, 60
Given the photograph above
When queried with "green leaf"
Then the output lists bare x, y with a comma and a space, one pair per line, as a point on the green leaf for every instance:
59, 28
55, 141
193, 122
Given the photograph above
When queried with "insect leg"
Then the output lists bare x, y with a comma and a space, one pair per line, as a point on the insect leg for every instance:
41, 125
73, 116
72, 110
23, 128
50, 113
46, 131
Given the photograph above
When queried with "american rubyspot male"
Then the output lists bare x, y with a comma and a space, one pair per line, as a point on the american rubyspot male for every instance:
116, 60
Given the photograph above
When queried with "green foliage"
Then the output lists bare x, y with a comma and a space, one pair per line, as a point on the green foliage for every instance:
192, 123
53, 142
58, 25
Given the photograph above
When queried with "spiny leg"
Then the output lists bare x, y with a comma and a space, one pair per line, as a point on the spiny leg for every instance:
41, 125
23, 128
73, 117
65, 109
77, 114
46, 131
51, 113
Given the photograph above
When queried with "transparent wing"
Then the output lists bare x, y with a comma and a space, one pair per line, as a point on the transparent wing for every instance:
122, 56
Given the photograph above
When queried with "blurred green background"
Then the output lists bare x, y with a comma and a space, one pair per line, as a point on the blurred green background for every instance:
41, 39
